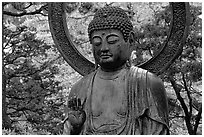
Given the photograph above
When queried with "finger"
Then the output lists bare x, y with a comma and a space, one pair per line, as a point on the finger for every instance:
79, 103
70, 103
75, 103
83, 104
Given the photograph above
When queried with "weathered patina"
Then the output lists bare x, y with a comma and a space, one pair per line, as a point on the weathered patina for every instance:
117, 98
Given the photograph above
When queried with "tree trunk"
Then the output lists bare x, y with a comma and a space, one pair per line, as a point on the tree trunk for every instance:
6, 123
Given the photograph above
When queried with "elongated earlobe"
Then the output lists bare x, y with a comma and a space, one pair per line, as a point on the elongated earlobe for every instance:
131, 38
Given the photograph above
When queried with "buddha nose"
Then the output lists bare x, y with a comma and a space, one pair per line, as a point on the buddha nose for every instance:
104, 47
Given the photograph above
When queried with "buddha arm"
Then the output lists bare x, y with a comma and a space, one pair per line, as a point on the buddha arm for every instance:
67, 128
73, 122
150, 125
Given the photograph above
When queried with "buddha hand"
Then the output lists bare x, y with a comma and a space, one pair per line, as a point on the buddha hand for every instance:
76, 114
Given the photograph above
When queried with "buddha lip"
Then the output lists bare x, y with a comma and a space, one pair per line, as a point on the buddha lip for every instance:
105, 55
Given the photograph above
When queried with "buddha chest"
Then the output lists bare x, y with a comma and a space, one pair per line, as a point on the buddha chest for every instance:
109, 100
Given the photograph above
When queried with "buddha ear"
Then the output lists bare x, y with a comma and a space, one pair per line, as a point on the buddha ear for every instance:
131, 38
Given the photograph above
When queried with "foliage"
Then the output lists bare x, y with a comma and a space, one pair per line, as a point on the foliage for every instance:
33, 95
36, 81
186, 73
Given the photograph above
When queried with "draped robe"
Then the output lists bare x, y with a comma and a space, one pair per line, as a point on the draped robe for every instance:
145, 104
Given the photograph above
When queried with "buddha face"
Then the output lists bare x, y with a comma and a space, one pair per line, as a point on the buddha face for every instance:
110, 49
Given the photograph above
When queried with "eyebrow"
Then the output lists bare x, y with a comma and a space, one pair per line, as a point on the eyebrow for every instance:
112, 34
96, 36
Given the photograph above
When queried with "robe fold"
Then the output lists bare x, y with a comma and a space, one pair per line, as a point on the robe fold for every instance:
147, 111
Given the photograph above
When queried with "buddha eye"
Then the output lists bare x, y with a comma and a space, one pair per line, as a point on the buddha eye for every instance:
112, 39
96, 41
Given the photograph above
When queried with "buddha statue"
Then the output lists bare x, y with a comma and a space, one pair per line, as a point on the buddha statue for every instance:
117, 98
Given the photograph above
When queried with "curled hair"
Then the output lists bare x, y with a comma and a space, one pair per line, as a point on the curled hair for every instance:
111, 18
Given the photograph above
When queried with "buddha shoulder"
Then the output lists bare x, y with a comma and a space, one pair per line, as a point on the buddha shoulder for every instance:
158, 91
155, 83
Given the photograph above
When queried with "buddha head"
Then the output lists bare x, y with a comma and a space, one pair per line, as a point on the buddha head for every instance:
110, 33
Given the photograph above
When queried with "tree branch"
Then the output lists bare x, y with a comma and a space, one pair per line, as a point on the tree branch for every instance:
15, 97
188, 93
6, 44
109, 4
4, 4
195, 104
198, 117
176, 116
25, 114
30, 4
77, 18
177, 91
38, 11
181, 100
12, 35
149, 49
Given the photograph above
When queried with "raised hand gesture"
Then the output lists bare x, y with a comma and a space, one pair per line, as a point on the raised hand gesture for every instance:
76, 114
